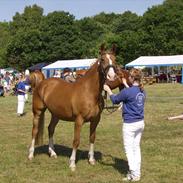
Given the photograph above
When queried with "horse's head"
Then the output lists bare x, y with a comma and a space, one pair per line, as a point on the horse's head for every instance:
118, 82
122, 73
108, 62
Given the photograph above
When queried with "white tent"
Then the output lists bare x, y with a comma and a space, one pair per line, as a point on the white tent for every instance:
61, 64
151, 61
73, 64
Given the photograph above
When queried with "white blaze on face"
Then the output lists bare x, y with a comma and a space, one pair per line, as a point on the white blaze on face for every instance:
111, 74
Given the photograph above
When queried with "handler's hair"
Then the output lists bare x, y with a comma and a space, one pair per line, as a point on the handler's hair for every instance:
136, 74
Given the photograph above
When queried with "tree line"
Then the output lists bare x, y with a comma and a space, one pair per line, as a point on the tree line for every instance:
32, 37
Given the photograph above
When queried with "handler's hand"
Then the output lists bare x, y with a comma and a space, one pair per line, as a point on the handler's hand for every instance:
106, 88
125, 83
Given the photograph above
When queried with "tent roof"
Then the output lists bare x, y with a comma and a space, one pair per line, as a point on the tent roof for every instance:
38, 66
61, 64
149, 61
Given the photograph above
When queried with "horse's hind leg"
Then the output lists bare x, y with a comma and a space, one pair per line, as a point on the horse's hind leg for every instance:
38, 124
76, 141
51, 130
93, 125
37, 132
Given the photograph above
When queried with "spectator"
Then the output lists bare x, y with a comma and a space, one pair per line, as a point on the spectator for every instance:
21, 96
57, 74
8, 82
1, 88
68, 75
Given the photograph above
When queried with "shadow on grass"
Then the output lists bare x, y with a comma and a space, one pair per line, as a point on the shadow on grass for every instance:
66, 151
119, 164
106, 160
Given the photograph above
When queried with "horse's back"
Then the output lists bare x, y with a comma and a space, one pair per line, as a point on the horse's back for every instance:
59, 89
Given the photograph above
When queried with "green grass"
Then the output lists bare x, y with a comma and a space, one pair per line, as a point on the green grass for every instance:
162, 145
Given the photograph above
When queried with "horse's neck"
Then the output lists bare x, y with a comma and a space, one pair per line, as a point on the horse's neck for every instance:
94, 78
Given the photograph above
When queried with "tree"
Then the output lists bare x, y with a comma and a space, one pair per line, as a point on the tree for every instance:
25, 43
91, 33
29, 20
60, 36
24, 49
126, 21
4, 39
164, 24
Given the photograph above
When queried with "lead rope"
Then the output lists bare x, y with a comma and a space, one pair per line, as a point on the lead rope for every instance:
110, 109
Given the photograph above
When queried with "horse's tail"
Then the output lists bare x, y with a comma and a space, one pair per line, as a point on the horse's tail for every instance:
39, 137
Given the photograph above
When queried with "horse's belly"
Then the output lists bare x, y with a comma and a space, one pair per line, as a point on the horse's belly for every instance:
66, 110
62, 112
92, 113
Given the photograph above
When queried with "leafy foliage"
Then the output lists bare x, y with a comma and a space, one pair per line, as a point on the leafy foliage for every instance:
4, 38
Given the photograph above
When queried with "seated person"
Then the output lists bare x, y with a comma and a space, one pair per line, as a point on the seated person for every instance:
68, 76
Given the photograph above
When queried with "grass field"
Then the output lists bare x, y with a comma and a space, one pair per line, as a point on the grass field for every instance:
162, 145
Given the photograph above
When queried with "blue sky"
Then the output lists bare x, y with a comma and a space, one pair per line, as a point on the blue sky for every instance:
78, 8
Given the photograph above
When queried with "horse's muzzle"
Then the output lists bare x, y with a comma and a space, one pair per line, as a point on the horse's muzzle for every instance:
111, 76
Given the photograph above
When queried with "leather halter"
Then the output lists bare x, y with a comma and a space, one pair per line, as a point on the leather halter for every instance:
105, 70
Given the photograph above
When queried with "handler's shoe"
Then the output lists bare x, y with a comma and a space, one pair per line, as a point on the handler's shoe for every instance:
130, 178
19, 115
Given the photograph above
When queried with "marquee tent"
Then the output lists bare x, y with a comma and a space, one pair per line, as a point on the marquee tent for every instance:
151, 61
38, 66
73, 64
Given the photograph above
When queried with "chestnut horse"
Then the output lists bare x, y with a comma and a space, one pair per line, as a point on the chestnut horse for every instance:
80, 101
35, 78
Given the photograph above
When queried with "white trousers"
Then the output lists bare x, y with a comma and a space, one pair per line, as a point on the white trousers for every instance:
21, 103
132, 133
26, 89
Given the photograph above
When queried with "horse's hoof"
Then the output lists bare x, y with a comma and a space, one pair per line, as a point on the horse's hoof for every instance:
52, 153
169, 118
92, 162
30, 158
73, 169
53, 156
72, 165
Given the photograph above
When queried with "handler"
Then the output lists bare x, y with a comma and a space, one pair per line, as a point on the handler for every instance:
133, 99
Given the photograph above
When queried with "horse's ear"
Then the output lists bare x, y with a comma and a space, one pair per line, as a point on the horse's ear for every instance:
102, 48
113, 49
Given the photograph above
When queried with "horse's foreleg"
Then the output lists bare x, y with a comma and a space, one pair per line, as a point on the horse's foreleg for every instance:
76, 141
51, 130
31, 150
93, 125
